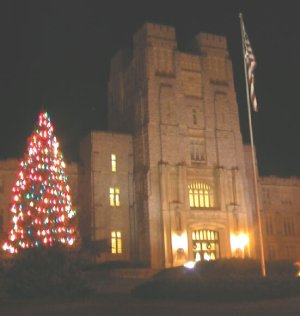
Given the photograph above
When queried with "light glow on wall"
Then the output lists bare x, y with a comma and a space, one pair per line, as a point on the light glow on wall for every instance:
179, 242
238, 243
190, 264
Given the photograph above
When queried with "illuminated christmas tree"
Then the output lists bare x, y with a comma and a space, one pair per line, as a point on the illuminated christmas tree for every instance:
41, 206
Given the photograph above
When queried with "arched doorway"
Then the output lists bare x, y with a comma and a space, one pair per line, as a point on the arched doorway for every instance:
206, 244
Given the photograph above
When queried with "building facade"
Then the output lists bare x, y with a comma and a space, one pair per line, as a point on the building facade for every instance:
106, 187
172, 181
281, 217
189, 177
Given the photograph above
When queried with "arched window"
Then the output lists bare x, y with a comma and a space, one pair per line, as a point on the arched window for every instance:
201, 195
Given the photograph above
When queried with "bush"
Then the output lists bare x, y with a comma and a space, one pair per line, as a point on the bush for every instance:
244, 267
3, 293
228, 267
45, 272
111, 265
222, 280
226, 289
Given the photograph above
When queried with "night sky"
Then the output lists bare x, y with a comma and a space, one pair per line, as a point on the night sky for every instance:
55, 55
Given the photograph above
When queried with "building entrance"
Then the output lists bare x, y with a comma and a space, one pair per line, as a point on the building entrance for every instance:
206, 244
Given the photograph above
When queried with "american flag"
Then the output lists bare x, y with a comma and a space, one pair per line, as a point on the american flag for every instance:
251, 65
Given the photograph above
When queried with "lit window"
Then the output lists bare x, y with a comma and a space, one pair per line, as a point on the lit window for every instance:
114, 196
205, 245
113, 163
201, 195
116, 242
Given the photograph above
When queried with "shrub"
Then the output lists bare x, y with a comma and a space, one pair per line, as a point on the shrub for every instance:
3, 293
222, 280
244, 267
228, 267
46, 272
226, 289
111, 265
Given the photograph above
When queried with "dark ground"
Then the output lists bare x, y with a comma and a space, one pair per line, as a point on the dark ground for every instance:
124, 304
114, 299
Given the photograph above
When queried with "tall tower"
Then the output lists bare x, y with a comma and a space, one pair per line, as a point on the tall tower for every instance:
190, 189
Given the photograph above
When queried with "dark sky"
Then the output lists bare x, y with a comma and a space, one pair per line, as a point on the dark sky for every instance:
57, 54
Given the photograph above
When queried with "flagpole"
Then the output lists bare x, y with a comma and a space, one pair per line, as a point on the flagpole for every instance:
257, 203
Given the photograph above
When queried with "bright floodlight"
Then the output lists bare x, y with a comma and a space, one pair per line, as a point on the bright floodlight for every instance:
190, 264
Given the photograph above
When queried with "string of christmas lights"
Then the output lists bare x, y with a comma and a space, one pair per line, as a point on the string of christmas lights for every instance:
41, 209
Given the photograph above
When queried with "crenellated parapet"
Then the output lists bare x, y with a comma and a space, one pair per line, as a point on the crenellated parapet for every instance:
214, 48
207, 40
155, 34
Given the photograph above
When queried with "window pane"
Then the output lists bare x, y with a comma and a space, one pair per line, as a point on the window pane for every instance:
113, 163
201, 199
114, 197
119, 245
196, 199
200, 195
113, 245
111, 200
117, 200
116, 242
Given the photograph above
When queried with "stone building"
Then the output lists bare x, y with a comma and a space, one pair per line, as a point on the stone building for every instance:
171, 181
183, 192
8, 171
281, 217
106, 198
